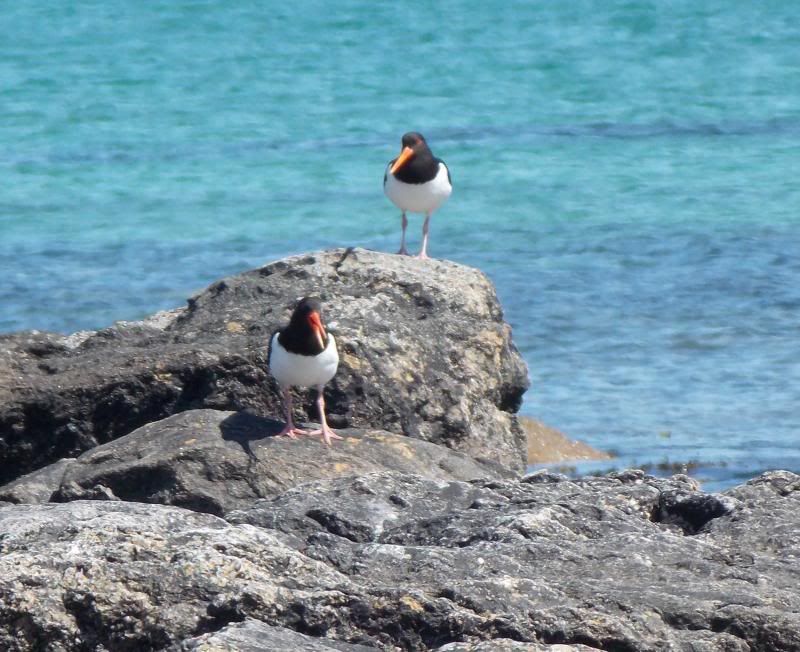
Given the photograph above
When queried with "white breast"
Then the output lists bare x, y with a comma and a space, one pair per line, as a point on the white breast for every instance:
303, 370
419, 197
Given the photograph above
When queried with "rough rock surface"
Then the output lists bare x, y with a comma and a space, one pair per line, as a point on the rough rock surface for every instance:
91, 575
396, 561
213, 461
256, 636
623, 562
424, 352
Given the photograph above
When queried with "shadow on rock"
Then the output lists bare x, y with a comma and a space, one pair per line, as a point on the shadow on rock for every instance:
244, 427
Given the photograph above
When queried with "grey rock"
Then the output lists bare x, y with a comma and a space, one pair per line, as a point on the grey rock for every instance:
771, 503
214, 461
509, 645
256, 636
423, 345
37, 486
125, 576
394, 561
622, 562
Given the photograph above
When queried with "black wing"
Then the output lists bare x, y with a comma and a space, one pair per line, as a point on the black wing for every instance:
386, 172
269, 345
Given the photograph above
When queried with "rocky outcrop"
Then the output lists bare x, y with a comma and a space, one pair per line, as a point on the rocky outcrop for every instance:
213, 461
424, 352
162, 513
396, 561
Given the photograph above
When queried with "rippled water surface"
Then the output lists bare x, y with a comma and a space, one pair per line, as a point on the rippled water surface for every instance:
626, 173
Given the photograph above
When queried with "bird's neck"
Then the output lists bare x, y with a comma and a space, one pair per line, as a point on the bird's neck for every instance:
300, 338
423, 167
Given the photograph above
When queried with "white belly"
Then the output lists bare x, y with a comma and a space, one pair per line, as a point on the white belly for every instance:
419, 197
303, 370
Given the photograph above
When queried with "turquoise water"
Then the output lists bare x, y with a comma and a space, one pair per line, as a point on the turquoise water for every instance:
626, 173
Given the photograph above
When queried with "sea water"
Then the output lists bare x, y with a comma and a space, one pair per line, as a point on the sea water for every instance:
625, 172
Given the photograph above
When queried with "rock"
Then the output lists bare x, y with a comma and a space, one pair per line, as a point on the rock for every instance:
256, 636
509, 645
126, 576
38, 486
424, 352
621, 562
393, 561
771, 502
214, 461
547, 444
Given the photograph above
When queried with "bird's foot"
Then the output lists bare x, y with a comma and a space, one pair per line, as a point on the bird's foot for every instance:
423, 256
327, 434
403, 252
291, 432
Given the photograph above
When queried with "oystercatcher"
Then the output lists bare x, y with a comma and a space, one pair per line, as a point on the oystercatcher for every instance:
416, 182
303, 354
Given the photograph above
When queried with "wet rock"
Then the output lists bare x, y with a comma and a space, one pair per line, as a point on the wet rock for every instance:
214, 461
424, 352
547, 444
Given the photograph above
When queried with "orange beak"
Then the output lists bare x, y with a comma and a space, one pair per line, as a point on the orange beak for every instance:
319, 330
404, 157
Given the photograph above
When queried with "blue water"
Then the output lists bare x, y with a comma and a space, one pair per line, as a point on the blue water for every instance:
626, 172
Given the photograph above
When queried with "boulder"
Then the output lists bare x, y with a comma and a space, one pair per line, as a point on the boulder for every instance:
37, 486
424, 353
215, 461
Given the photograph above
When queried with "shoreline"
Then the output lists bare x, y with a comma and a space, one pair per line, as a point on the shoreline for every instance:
160, 511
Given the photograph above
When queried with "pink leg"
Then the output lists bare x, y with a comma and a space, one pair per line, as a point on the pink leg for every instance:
403, 251
325, 431
289, 430
424, 251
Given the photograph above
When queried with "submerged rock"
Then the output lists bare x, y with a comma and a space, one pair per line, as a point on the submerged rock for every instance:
547, 445
424, 352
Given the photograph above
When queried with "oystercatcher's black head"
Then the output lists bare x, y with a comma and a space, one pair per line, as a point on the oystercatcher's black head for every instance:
416, 163
412, 139
305, 334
